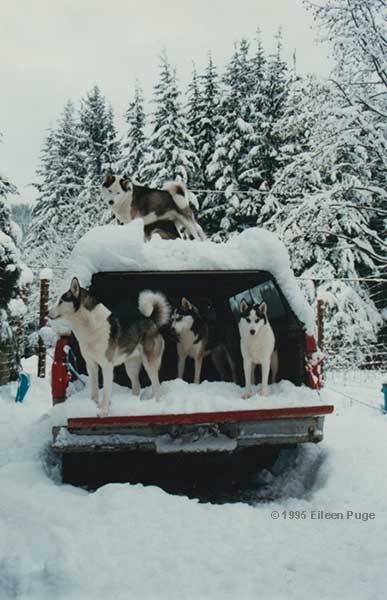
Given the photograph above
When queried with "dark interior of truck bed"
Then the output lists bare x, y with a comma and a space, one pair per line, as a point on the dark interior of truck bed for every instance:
218, 294
221, 290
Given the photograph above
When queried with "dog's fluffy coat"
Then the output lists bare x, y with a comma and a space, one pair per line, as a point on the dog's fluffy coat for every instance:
129, 200
193, 341
257, 345
106, 340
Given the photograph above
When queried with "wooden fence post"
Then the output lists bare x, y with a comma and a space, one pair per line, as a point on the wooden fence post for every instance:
320, 333
320, 324
45, 276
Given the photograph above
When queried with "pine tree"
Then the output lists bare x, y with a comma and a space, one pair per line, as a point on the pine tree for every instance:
274, 106
134, 146
13, 277
208, 121
357, 32
194, 105
21, 213
61, 172
98, 135
101, 151
319, 208
252, 174
171, 153
231, 146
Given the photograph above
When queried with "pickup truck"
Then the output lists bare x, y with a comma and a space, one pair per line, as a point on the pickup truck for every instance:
257, 431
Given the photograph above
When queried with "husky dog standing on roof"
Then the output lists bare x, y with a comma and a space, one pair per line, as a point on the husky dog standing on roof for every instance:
129, 200
108, 339
257, 345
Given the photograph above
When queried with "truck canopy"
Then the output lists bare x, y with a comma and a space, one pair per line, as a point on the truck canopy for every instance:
113, 248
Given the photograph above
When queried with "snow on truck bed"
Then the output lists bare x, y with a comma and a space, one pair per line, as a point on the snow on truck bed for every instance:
180, 397
122, 248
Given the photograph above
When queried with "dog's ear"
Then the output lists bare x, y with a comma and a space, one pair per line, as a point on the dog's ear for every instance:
75, 288
125, 184
263, 308
108, 180
186, 304
243, 306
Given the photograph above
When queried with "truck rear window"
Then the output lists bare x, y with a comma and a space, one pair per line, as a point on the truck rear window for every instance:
263, 292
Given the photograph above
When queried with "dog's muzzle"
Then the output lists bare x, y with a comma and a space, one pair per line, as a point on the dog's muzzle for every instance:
252, 331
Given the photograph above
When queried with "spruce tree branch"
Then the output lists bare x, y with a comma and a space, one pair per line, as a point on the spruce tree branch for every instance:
380, 259
372, 108
369, 233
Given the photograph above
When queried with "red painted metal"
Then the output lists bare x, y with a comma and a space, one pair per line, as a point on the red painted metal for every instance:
313, 363
60, 376
263, 414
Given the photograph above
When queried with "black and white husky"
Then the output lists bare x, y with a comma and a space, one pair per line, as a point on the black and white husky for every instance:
257, 345
108, 340
194, 340
129, 200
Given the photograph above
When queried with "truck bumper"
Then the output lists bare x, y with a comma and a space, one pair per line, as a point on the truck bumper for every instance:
194, 433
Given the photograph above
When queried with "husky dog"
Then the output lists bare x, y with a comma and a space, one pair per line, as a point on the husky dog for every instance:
165, 229
193, 333
108, 340
257, 345
129, 200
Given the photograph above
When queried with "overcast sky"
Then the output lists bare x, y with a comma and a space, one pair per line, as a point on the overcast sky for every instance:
52, 51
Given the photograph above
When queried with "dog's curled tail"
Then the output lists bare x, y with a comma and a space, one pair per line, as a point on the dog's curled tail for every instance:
154, 305
178, 192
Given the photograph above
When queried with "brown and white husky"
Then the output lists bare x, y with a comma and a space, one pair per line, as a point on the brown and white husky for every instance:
257, 345
107, 339
196, 341
129, 200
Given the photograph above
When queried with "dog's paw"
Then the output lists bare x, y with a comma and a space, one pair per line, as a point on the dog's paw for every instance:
103, 412
264, 393
246, 395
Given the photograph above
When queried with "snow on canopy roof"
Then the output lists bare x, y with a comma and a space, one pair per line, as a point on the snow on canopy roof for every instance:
121, 248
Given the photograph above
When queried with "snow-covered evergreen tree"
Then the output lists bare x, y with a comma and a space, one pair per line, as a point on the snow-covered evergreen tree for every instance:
171, 151
194, 114
318, 206
209, 122
231, 147
275, 97
101, 152
134, 145
252, 173
357, 32
61, 172
13, 278
21, 213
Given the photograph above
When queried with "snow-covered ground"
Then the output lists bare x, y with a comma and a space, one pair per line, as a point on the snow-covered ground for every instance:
125, 541
181, 397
